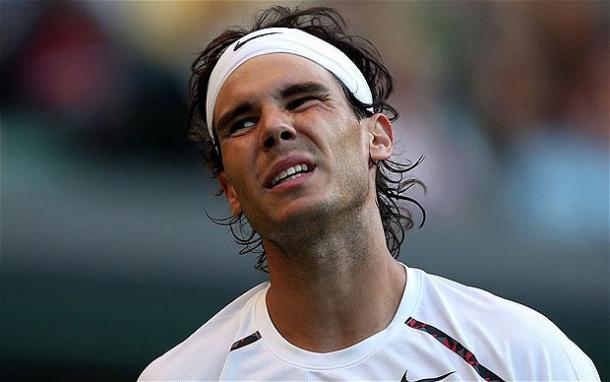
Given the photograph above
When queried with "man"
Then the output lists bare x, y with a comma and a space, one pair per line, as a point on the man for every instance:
292, 118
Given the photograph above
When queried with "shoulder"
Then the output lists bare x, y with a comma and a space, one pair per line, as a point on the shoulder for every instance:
207, 347
515, 339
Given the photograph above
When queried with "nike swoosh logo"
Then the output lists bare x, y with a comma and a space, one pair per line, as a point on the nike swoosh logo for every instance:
241, 43
404, 378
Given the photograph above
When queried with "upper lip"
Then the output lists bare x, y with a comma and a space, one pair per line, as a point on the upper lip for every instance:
285, 163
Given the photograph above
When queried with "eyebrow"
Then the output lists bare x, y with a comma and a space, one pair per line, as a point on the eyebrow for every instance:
305, 87
289, 91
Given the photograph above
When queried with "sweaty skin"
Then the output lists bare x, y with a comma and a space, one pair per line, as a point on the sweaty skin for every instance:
333, 280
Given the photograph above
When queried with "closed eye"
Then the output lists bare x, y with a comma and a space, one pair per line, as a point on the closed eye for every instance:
302, 102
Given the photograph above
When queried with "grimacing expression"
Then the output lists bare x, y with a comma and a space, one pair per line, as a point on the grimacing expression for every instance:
292, 148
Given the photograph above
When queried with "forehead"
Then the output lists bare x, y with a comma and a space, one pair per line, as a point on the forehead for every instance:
265, 74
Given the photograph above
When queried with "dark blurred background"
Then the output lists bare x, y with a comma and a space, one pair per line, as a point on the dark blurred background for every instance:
108, 259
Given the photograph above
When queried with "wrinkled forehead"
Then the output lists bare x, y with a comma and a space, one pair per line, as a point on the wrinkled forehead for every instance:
267, 75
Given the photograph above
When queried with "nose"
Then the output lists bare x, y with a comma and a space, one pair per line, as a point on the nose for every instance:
276, 127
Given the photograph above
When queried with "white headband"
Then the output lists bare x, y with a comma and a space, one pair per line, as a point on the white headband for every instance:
285, 40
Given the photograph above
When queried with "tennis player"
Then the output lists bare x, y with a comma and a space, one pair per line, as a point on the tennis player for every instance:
292, 118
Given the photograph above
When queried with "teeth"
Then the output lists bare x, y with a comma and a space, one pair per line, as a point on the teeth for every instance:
290, 173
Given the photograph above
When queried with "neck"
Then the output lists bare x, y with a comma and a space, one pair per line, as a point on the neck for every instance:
334, 288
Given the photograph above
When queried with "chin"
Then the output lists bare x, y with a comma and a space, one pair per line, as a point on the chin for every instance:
300, 218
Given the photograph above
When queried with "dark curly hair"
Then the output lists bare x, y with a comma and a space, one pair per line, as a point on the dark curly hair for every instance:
391, 178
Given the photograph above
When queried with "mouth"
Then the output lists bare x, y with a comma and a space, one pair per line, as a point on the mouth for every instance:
290, 173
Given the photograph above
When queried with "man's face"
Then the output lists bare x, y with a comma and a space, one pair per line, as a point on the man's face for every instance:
280, 113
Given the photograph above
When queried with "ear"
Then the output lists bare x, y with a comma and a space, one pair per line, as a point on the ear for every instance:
382, 142
230, 193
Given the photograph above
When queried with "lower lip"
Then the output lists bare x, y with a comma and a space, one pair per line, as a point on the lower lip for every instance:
291, 184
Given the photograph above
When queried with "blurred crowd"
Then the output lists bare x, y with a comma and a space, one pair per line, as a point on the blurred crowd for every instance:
508, 101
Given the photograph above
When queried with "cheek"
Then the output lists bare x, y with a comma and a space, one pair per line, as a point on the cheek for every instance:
240, 185
336, 131
354, 140
237, 154
235, 175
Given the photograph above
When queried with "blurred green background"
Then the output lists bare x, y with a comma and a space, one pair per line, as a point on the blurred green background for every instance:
107, 257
